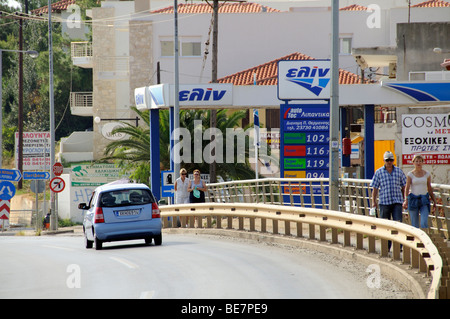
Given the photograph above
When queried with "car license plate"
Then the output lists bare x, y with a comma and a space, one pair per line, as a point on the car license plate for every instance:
128, 212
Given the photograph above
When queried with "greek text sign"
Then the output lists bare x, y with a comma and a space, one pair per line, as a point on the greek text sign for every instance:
427, 135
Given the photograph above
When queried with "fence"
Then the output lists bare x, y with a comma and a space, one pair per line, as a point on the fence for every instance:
294, 207
354, 196
362, 232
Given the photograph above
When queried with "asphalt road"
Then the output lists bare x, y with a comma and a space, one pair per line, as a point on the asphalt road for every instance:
185, 266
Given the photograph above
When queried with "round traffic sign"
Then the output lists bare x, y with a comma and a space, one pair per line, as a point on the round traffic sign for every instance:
7, 190
58, 169
57, 184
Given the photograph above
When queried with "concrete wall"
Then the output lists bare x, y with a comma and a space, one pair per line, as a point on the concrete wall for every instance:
415, 43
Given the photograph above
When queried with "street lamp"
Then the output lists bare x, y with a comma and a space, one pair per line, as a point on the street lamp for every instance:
33, 54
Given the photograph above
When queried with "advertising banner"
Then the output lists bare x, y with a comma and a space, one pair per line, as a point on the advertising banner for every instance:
427, 135
36, 150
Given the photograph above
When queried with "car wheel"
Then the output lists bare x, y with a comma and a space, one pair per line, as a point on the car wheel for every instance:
98, 243
158, 240
87, 243
148, 240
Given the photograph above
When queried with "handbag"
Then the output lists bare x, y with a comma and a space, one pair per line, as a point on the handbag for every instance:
196, 193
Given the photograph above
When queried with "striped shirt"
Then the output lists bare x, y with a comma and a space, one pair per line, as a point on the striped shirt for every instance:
389, 185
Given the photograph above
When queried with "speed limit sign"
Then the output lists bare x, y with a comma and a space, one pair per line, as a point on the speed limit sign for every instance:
57, 184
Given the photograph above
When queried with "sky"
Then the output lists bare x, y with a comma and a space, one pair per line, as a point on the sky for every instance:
13, 3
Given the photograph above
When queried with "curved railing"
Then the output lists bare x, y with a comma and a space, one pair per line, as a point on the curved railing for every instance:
293, 206
362, 232
354, 196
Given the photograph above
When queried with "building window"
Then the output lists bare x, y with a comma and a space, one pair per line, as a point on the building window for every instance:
345, 45
384, 114
187, 46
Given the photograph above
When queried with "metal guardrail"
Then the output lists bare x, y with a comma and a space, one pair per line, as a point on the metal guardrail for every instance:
354, 196
418, 249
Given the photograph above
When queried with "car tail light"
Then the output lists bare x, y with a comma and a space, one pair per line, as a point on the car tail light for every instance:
98, 216
155, 211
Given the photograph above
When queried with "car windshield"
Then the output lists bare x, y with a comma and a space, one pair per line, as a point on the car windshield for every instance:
126, 197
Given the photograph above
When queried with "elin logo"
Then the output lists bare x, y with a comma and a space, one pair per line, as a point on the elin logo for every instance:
314, 79
199, 94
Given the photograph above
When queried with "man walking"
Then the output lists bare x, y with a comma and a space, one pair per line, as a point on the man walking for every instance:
389, 183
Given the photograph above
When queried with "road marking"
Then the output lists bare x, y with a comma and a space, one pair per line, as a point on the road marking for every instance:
147, 294
58, 247
125, 262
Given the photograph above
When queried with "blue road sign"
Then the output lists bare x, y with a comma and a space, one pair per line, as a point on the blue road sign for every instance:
167, 182
7, 190
36, 175
13, 175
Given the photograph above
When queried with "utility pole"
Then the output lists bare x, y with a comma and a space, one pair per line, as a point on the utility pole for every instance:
213, 112
334, 111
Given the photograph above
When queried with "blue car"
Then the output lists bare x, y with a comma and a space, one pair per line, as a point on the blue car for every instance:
121, 212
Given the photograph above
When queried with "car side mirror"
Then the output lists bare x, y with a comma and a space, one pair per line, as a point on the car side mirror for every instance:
83, 206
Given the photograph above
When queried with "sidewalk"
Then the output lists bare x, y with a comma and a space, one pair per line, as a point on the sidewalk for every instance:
21, 231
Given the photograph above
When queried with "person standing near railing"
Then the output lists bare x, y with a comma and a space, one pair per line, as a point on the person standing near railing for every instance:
197, 189
181, 188
389, 183
418, 200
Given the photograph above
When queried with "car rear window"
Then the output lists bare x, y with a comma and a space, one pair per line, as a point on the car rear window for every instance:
126, 197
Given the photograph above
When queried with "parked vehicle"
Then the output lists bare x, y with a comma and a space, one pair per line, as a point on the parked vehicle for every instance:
121, 212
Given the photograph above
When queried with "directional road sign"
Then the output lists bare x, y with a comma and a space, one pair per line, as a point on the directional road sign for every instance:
36, 175
13, 175
7, 190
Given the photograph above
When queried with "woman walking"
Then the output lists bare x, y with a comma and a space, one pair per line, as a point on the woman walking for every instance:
418, 192
197, 189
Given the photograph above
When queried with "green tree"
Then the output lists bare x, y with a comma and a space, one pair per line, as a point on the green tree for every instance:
133, 153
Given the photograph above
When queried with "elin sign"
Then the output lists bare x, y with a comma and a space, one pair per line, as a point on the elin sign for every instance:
161, 96
304, 79
427, 135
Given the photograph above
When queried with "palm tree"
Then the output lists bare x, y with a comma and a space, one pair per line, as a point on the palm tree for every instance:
133, 153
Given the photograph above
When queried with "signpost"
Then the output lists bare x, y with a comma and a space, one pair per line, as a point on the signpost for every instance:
168, 184
305, 128
36, 175
13, 175
58, 169
57, 184
7, 190
4, 212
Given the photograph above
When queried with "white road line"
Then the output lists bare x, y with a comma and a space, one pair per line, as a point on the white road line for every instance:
125, 262
147, 294
58, 247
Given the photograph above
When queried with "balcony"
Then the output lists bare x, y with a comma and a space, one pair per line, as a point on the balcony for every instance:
81, 103
82, 54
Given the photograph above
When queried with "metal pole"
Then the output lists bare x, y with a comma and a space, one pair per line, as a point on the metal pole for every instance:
1, 109
54, 213
334, 111
176, 111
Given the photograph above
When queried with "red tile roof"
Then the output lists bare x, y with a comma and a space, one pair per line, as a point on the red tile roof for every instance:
244, 7
57, 7
354, 7
266, 74
432, 4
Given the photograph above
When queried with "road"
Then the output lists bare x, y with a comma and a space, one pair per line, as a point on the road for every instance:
185, 266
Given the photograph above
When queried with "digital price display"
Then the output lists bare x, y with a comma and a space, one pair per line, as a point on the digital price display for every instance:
304, 139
